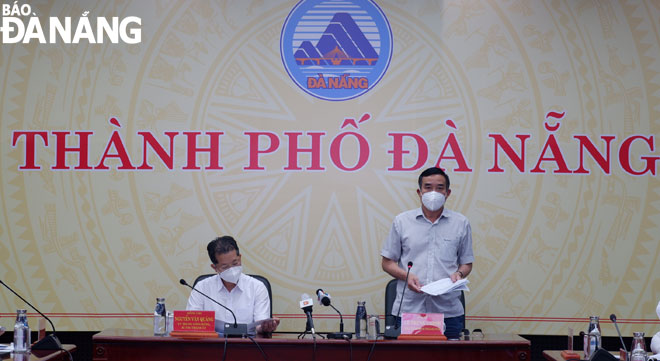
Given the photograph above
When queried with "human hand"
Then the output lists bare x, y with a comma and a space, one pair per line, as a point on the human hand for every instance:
268, 326
414, 284
455, 276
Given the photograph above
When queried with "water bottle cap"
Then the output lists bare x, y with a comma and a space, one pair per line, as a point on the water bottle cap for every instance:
160, 299
638, 334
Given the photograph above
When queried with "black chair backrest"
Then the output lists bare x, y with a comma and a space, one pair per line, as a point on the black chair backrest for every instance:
201, 277
390, 296
263, 279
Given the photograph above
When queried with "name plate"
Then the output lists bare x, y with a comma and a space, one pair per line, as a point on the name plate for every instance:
422, 324
194, 321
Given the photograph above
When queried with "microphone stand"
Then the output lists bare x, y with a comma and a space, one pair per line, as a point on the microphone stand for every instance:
309, 326
50, 342
613, 319
341, 334
395, 331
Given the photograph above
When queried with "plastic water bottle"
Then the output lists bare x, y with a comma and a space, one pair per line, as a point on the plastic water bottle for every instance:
374, 327
638, 352
21, 332
361, 320
593, 335
160, 318
170, 322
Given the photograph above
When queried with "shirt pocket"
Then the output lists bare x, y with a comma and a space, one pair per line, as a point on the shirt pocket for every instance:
447, 249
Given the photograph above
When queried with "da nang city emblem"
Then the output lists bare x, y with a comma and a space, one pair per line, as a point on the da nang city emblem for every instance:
336, 49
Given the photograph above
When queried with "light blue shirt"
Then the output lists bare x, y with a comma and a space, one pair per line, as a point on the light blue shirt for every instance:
436, 250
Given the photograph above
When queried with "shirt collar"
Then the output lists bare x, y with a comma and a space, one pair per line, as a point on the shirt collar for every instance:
445, 213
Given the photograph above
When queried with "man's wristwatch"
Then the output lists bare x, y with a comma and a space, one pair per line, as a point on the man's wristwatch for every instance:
461, 273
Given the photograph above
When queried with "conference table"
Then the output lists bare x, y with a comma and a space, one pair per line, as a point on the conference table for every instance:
128, 345
42, 355
554, 355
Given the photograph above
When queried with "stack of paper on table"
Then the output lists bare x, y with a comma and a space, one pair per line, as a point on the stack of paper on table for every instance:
5, 349
445, 285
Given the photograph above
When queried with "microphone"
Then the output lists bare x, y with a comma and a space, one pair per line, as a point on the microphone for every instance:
50, 342
306, 304
235, 330
324, 299
395, 331
613, 319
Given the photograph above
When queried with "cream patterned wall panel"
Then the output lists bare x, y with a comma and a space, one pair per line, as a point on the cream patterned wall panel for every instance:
94, 248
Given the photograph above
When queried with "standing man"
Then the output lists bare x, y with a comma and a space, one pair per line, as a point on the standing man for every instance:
439, 243
246, 296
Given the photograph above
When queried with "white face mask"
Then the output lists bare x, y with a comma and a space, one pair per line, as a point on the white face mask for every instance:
433, 200
232, 274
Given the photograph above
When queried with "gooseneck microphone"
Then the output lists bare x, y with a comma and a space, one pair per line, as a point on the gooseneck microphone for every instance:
398, 314
50, 342
613, 319
324, 299
236, 329
395, 331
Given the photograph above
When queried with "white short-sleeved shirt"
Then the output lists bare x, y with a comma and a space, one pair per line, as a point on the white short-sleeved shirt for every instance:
249, 299
436, 250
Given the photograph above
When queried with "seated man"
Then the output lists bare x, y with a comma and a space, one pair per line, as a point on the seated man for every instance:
246, 296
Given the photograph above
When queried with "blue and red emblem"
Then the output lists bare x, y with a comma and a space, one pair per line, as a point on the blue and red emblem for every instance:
336, 49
